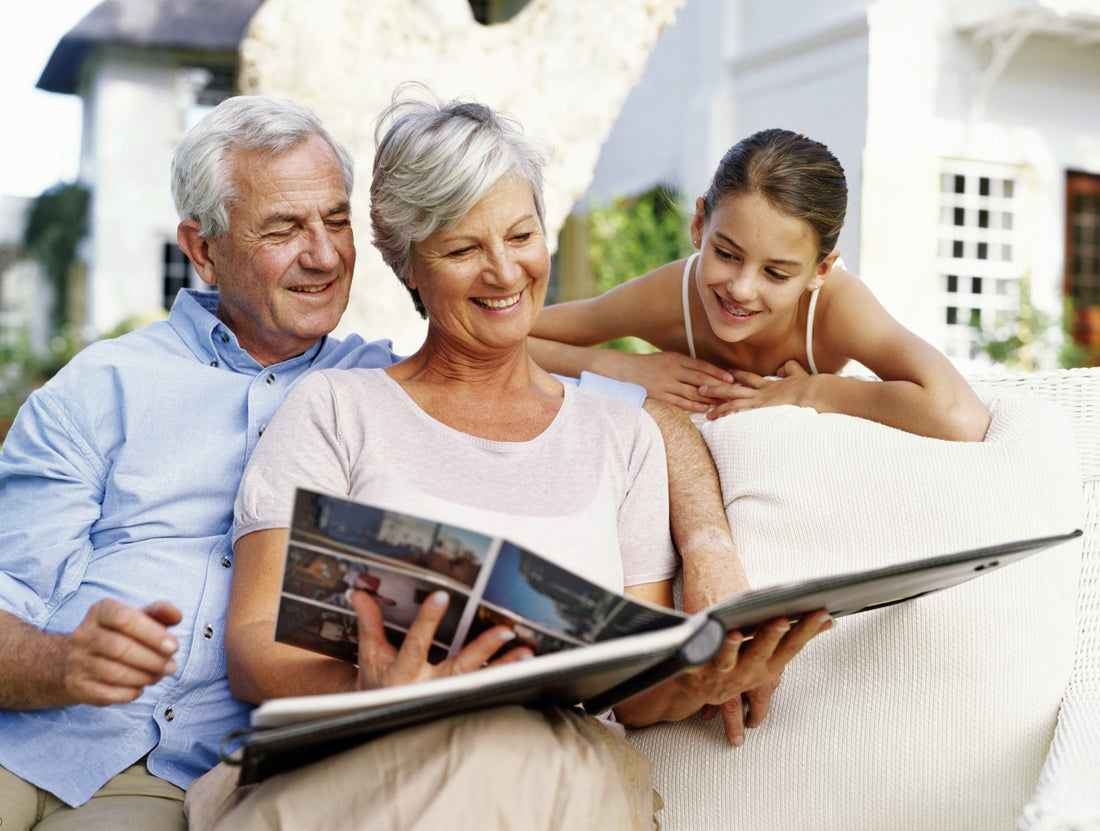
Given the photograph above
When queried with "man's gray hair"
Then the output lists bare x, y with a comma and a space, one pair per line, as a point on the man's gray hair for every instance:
203, 185
434, 161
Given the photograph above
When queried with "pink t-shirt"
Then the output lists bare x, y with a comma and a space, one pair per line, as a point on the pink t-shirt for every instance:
590, 492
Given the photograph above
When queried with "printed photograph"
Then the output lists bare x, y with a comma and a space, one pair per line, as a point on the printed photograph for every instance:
328, 579
562, 602
331, 631
453, 553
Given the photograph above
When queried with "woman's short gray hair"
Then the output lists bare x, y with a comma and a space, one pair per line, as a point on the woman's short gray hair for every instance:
434, 161
203, 185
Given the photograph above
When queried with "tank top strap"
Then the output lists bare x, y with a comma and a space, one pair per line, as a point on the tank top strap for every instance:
687, 306
810, 332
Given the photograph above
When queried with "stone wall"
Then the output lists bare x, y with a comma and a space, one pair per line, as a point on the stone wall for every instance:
562, 67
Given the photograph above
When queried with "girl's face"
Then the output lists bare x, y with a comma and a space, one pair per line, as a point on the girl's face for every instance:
756, 262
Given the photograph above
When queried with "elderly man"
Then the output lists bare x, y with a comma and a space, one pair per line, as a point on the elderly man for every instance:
118, 478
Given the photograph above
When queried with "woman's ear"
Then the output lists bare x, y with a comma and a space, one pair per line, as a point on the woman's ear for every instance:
823, 270
696, 228
197, 250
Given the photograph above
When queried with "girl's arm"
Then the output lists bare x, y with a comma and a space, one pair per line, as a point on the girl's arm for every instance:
920, 390
647, 307
738, 667
261, 668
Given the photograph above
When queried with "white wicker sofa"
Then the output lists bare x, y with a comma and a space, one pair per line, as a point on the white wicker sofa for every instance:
975, 708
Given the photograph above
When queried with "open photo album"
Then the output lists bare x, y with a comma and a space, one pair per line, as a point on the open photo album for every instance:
594, 647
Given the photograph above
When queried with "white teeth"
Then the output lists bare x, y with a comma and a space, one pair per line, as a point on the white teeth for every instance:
310, 289
497, 302
733, 311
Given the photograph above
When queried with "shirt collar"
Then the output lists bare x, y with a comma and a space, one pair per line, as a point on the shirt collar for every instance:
194, 319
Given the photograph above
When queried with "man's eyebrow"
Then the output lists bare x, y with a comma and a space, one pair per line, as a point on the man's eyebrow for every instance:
789, 263
292, 218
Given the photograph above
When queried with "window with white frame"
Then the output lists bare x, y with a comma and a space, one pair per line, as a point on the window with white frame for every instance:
980, 258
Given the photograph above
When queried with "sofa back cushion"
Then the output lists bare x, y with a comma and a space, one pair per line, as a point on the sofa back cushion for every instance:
932, 714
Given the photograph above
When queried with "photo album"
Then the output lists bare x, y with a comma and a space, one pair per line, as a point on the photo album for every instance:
594, 647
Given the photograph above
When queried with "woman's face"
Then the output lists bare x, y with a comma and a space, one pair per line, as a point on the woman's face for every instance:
756, 262
483, 280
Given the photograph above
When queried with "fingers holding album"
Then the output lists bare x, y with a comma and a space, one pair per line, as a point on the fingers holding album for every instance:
742, 664
768, 652
376, 654
381, 665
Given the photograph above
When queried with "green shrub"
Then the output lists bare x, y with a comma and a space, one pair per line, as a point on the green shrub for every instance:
634, 235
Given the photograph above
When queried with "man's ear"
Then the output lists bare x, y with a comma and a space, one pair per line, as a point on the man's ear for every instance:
696, 229
197, 250
823, 270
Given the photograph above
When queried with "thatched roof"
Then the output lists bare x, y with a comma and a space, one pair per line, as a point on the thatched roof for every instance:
201, 25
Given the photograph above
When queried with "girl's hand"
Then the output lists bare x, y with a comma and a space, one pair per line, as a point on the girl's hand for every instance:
381, 665
672, 377
751, 391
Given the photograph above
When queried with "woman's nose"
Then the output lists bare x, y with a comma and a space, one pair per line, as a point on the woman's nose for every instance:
501, 266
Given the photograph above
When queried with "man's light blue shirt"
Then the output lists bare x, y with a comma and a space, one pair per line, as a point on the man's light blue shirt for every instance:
118, 480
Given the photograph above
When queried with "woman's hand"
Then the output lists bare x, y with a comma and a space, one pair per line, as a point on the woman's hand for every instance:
381, 665
752, 667
751, 391
668, 376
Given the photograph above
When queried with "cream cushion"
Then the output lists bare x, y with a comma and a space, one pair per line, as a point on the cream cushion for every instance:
934, 714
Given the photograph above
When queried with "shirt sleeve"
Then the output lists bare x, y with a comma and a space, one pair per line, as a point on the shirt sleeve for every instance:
51, 491
622, 390
645, 537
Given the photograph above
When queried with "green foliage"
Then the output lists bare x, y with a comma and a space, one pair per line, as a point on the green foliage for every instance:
22, 371
634, 235
56, 223
1036, 340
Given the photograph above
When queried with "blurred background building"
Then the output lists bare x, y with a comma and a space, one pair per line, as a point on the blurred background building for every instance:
968, 130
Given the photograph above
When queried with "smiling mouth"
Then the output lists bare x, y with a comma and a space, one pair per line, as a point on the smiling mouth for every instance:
310, 289
733, 310
497, 303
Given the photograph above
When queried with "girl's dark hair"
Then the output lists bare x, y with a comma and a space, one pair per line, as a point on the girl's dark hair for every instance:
797, 175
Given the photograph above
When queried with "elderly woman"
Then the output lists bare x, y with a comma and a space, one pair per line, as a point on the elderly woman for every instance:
469, 431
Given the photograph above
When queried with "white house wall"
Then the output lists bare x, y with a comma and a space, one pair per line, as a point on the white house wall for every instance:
927, 106
802, 66
1044, 112
132, 115
663, 133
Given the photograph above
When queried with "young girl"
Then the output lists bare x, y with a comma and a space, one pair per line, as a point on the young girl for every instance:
766, 312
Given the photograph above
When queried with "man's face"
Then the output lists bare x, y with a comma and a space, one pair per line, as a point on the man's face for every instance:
284, 268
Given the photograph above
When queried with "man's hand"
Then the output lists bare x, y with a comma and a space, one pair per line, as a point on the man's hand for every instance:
117, 651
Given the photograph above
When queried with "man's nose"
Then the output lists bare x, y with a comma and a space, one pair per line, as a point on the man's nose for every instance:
320, 251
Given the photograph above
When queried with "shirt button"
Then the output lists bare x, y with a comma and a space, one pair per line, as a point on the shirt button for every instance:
271, 379
208, 632
169, 714
225, 338
226, 562
262, 428
213, 363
